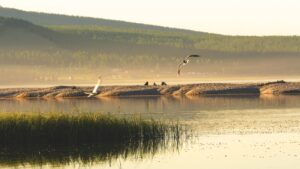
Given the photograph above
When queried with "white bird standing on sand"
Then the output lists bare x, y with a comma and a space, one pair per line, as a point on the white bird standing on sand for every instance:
185, 62
95, 90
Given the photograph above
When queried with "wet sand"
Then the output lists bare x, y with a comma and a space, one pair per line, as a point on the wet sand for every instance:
201, 89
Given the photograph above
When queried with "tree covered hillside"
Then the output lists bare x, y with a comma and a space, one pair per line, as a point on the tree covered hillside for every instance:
190, 40
56, 19
142, 34
45, 48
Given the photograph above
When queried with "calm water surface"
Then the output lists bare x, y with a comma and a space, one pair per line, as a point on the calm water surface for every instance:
230, 132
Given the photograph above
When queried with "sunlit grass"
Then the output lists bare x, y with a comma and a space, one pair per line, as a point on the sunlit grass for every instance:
84, 128
60, 139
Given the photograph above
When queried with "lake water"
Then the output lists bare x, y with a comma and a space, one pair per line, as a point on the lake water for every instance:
229, 132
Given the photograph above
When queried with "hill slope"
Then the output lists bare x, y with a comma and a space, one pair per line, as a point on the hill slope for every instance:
104, 31
26, 43
47, 49
56, 19
16, 33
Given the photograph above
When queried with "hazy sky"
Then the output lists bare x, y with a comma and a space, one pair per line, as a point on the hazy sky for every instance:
243, 17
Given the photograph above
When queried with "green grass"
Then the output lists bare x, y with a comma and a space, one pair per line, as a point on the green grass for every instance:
88, 128
60, 139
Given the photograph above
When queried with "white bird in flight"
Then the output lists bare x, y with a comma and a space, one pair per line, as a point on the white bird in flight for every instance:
185, 62
95, 90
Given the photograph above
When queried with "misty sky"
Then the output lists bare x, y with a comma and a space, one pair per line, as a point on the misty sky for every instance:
235, 17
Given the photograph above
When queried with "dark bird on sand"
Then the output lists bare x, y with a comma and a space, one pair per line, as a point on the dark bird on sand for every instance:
185, 61
146, 83
163, 83
154, 84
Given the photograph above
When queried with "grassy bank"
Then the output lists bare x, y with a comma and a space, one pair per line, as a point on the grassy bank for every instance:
64, 129
60, 139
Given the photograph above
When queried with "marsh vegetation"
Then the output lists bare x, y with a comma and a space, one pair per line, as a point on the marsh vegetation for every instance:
60, 139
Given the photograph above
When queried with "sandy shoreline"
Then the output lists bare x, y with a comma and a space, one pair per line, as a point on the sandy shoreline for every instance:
202, 89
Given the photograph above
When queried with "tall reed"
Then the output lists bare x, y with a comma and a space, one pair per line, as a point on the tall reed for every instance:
62, 138
85, 128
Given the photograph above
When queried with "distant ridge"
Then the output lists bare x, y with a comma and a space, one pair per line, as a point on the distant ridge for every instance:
59, 19
53, 47
20, 33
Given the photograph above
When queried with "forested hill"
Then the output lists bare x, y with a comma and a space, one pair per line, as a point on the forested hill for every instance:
22, 42
57, 19
17, 33
93, 33
63, 45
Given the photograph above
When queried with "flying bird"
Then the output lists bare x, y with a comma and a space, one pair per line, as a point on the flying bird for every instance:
185, 61
95, 90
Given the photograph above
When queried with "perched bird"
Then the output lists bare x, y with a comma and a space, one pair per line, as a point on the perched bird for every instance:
146, 83
163, 83
154, 84
185, 62
95, 90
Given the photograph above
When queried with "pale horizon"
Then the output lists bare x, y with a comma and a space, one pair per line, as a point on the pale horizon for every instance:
232, 17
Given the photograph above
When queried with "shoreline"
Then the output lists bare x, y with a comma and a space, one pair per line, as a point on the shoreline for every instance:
200, 89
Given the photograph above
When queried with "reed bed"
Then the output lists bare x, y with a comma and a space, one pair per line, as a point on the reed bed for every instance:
59, 139
80, 129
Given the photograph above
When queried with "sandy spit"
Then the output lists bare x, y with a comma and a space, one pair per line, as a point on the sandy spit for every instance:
204, 89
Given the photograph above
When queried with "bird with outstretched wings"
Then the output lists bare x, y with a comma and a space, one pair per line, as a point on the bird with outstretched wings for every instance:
95, 90
185, 61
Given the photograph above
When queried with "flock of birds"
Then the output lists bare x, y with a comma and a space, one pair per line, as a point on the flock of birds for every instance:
184, 62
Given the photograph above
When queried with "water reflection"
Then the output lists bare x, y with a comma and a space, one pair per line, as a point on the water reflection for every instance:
236, 132
14, 156
154, 105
